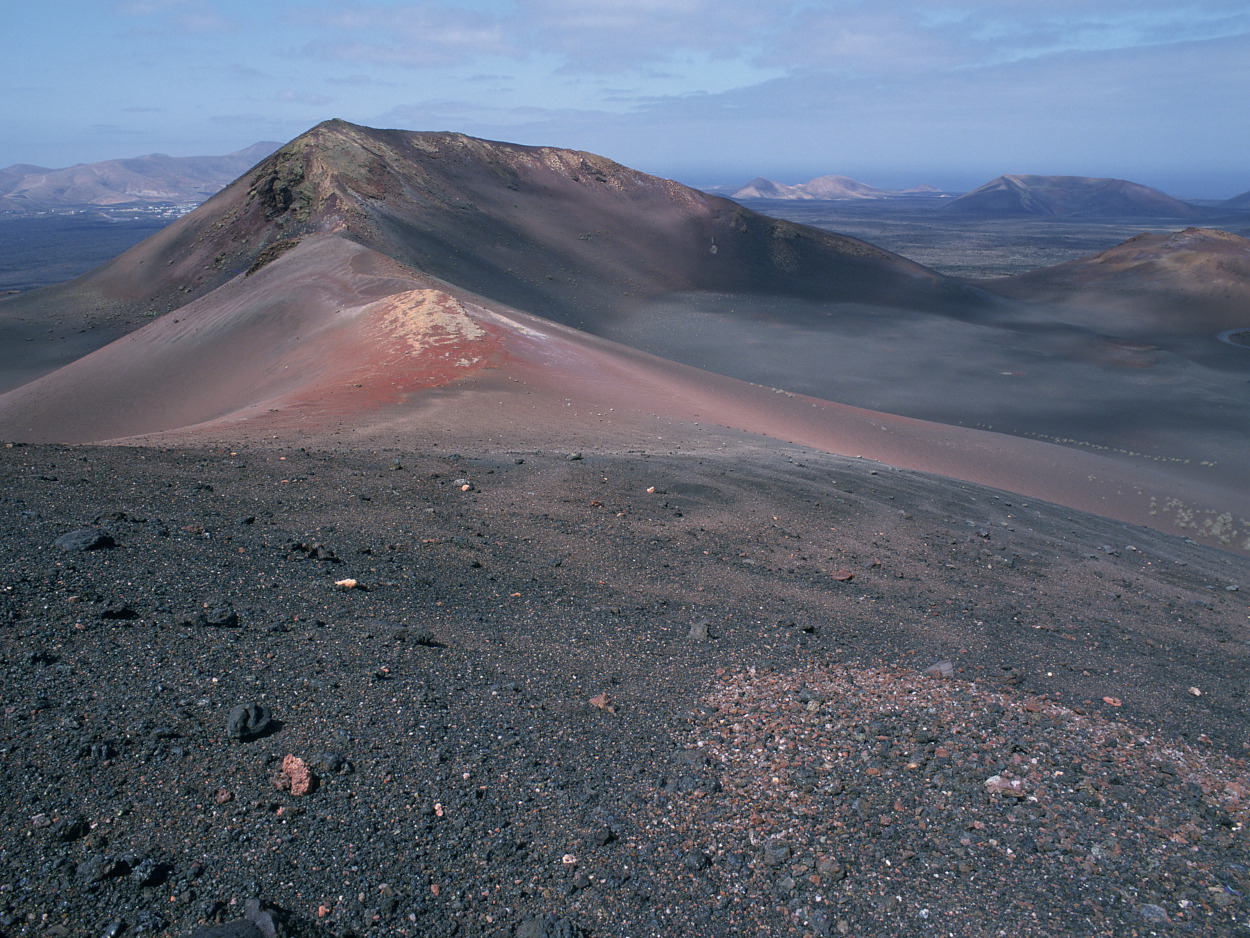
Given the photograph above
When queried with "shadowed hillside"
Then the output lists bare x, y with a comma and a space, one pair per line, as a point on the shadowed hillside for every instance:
1238, 203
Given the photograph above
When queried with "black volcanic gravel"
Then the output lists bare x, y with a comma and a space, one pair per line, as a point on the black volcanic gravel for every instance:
557, 703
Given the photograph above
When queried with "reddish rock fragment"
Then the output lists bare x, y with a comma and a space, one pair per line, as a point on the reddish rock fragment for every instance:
295, 776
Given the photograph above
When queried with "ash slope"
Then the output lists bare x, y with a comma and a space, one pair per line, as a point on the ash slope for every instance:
333, 339
1193, 284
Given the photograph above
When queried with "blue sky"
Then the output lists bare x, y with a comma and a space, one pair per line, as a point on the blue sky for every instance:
945, 92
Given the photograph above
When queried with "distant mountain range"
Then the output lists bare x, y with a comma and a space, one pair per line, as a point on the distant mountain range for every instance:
831, 188
143, 180
1008, 196
1069, 196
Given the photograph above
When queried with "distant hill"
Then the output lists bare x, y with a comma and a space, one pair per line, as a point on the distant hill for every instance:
1238, 203
1155, 285
831, 188
143, 180
1069, 196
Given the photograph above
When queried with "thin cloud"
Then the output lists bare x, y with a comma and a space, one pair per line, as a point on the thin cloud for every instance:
182, 16
632, 36
421, 35
361, 81
290, 96
114, 130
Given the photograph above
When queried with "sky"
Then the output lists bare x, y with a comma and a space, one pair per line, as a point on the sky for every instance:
895, 93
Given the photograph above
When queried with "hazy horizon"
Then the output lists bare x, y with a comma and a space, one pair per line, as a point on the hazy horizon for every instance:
898, 94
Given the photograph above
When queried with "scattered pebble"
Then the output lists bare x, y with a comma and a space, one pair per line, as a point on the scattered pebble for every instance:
941, 669
700, 631
603, 701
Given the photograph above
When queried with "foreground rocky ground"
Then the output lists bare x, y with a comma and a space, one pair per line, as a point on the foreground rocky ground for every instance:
746, 691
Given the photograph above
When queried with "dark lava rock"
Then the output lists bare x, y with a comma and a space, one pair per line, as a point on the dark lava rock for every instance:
70, 828
146, 871
116, 609
314, 550
220, 617
776, 853
97, 869
402, 633
330, 763
85, 539
248, 720
257, 924
696, 860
